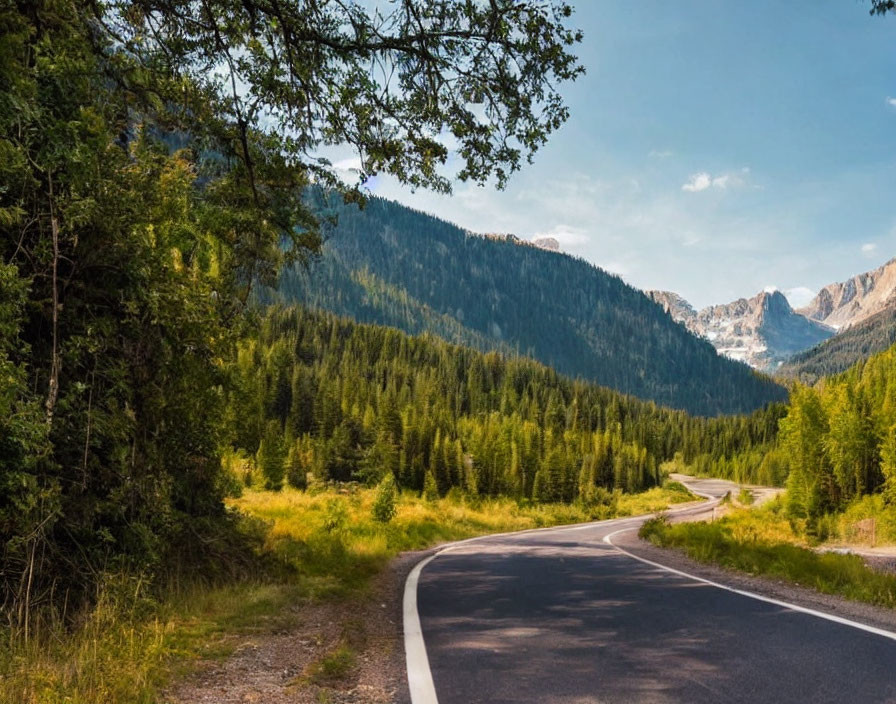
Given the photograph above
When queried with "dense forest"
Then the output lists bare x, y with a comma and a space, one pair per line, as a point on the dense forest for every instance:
839, 438
839, 353
391, 265
154, 157
345, 401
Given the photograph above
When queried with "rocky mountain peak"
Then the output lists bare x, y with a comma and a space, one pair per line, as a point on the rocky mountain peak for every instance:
762, 331
549, 243
772, 304
673, 304
843, 304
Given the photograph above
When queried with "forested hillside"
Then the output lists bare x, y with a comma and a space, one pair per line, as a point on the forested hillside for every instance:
392, 265
839, 438
153, 166
346, 401
839, 353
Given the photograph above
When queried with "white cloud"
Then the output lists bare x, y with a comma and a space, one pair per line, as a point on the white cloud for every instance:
353, 163
702, 181
698, 182
566, 235
891, 102
708, 255
660, 153
869, 248
799, 296
770, 289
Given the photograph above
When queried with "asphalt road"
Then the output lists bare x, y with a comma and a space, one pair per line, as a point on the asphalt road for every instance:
560, 616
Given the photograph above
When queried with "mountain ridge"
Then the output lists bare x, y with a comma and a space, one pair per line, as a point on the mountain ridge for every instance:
762, 331
843, 304
392, 265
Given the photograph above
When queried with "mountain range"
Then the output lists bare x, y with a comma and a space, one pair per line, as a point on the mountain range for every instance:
766, 333
388, 264
763, 331
842, 305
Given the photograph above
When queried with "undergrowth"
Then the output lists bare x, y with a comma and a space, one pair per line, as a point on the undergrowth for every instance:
324, 543
760, 542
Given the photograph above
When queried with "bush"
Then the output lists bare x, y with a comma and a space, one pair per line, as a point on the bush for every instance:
296, 471
742, 541
384, 504
677, 487
335, 516
430, 487
654, 528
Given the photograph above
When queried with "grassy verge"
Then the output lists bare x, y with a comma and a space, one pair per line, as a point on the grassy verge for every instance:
322, 544
760, 542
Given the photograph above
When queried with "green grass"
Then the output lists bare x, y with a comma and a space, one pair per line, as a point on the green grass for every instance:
744, 542
334, 666
321, 545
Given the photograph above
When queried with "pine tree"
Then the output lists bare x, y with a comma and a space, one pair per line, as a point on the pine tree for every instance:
271, 456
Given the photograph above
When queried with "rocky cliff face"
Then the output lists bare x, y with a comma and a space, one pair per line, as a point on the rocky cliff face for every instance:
762, 331
676, 306
844, 304
549, 243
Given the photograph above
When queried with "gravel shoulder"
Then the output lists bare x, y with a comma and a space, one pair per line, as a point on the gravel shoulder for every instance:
274, 668
776, 589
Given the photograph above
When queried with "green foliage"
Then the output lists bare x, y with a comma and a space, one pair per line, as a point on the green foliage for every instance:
739, 544
677, 487
838, 440
335, 665
384, 505
363, 402
389, 265
296, 469
304, 75
654, 529
335, 516
849, 347
271, 457
144, 195
430, 487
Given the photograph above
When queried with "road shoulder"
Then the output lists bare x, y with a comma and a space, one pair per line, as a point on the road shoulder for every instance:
776, 589
273, 668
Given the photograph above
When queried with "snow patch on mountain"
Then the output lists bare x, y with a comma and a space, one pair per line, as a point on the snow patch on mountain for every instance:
762, 331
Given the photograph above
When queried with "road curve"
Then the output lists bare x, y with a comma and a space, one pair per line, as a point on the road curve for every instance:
560, 616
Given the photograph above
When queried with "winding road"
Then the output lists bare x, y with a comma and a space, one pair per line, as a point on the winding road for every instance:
563, 616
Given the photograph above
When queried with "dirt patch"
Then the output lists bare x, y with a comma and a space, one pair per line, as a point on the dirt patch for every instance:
765, 586
341, 652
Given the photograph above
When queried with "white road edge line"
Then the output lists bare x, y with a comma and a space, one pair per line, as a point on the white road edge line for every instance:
420, 682
423, 691
752, 595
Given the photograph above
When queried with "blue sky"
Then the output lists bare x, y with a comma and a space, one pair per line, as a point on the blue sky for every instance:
714, 148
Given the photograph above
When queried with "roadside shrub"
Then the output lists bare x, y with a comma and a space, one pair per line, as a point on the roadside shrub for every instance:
738, 542
676, 487
384, 504
654, 528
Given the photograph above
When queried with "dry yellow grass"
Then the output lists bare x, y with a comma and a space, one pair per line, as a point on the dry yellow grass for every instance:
323, 544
